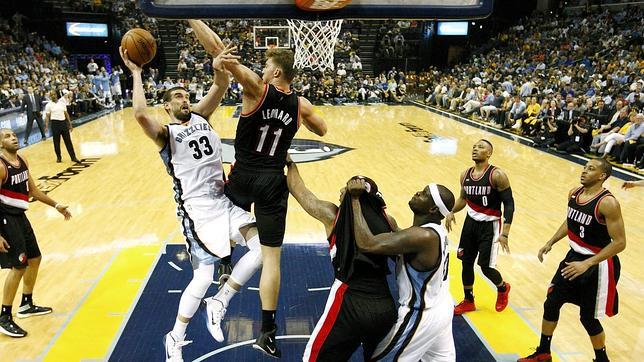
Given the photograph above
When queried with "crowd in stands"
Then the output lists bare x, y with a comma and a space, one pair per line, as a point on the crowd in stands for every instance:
572, 83
30, 60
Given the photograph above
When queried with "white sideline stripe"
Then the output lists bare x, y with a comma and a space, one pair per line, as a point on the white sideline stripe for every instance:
175, 291
172, 264
319, 289
254, 288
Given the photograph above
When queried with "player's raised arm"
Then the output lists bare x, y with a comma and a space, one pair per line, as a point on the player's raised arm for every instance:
323, 211
459, 204
252, 83
152, 128
311, 121
212, 99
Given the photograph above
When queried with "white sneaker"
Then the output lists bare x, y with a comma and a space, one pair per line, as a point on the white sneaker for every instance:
215, 311
173, 348
628, 165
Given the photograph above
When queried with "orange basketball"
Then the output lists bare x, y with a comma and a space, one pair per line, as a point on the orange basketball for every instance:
140, 44
316, 5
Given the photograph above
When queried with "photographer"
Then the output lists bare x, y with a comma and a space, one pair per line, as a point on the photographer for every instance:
577, 132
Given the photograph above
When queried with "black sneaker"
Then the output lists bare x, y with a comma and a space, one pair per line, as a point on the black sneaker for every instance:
223, 273
30, 310
266, 343
8, 327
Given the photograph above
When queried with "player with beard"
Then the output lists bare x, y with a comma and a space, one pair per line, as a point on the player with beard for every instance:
19, 249
423, 331
191, 151
483, 188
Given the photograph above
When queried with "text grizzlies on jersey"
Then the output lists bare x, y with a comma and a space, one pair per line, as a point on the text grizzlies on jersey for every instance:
277, 114
190, 130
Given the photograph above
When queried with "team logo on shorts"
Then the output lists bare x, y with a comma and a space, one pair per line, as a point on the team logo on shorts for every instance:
301, 150
22, 258
459, 253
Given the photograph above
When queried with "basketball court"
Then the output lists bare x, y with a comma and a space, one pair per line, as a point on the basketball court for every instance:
114, 273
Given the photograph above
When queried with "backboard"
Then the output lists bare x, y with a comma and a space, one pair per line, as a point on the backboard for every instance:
286, 9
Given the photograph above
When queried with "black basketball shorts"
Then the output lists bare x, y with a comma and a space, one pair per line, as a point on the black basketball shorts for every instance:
16, 229
479, 238
269, 192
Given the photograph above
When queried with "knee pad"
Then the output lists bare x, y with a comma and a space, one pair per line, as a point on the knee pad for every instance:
249, 263
551, 309
201, 281
592, 325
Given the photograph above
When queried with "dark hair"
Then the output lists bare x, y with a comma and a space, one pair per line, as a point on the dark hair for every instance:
605, 166
488, 142
284, 59
168, 94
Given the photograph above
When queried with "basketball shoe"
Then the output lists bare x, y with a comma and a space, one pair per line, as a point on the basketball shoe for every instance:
502, 298
173, 348
31, 310
537, 357
266, 343
8, 327
464, 307
215, 311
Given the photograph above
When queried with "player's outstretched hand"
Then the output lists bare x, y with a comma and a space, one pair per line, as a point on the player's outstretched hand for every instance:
503, 240
225, 57
449, 220
543, 251
128, 63
574, 269
356, 187
63, 209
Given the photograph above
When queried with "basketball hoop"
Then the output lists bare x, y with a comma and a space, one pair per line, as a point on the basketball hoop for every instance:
315, 42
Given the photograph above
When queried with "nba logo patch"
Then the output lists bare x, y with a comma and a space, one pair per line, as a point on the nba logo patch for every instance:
459, 253
550, 288
22, 258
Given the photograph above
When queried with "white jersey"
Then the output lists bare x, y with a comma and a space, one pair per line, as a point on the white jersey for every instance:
424, 289
192, 157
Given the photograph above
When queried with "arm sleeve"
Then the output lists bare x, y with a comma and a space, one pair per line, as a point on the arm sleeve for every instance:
508, 205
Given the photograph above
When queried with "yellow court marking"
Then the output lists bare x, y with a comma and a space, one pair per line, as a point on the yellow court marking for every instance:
506, 333
92, 329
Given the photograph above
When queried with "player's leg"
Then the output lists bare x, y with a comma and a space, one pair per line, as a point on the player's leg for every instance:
27, 306
488, 251
467, 252
14, 259
243, 232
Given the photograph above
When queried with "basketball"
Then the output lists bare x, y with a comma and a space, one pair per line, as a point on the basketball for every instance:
140, 44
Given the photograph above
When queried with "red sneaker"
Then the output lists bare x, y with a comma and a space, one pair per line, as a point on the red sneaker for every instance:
502, 298
464, 307
537, 357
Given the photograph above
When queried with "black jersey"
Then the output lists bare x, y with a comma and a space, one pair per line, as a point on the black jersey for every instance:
14, 193
587, 230
264, 135
481, 196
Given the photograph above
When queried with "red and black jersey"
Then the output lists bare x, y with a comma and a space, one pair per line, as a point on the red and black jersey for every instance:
264, 135
14, 192
483, 199
587, 230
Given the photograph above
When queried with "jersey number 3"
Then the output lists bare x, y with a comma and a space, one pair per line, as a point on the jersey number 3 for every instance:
198, 153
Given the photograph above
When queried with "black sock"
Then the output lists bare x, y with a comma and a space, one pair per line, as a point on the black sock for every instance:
268, 320
600, 355
6, 310
469, 294
544, 344
502, 288
26, 299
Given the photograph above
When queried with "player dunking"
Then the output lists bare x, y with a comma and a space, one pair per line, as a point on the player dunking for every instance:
423, 331
271, 115
359, 309
588, 275
483, 188
191, 151
19, 249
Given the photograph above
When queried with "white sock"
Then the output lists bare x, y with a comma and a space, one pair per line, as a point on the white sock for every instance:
225, 294
179, 329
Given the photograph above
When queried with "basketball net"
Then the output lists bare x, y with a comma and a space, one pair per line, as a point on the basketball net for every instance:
315, 42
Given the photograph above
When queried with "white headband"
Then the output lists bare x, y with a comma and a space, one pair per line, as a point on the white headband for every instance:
433, 189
